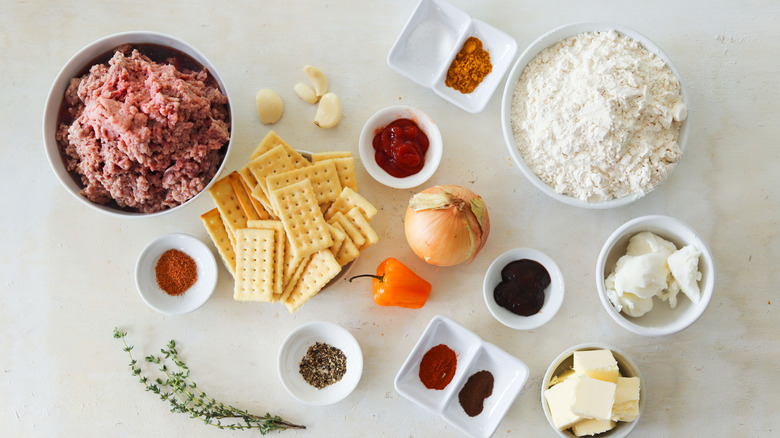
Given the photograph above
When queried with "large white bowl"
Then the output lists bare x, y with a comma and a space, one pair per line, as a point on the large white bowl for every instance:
553, 294
565, 362
75, 65
294, 348
661, 320
384, 117
543, 42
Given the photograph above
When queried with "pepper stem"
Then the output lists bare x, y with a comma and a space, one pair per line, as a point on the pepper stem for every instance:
378, 277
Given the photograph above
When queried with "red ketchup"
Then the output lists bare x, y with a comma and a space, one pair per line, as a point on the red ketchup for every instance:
400, 147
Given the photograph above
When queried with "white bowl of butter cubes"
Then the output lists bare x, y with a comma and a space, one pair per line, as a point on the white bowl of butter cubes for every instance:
655, 275
593, 389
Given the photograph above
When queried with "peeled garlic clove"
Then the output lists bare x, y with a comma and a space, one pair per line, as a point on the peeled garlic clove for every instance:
269, 106
306, 93
328, 111
317, 79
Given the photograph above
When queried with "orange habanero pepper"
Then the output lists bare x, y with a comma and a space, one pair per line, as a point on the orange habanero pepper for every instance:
396, 285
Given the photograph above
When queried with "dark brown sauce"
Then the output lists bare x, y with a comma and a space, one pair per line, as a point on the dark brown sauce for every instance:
156, 52
521, 290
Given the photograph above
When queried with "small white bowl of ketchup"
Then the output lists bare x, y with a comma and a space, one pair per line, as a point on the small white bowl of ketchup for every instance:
402, 161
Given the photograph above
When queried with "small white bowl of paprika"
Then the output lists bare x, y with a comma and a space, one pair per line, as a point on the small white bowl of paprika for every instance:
176, 274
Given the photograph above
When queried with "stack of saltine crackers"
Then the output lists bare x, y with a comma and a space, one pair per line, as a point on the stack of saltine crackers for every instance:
285, 226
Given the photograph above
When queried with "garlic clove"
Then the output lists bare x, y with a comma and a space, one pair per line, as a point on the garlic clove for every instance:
269, 106
317, 79
306, 93
328, 111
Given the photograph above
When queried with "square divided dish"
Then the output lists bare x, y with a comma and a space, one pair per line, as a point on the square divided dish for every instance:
432, 37
473, 355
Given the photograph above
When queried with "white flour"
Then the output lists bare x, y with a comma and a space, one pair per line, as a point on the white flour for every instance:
597, 117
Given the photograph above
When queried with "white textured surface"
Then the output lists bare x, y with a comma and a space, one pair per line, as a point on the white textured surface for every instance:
67, 272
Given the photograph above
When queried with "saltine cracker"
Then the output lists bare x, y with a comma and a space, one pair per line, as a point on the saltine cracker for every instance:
302, 218
255, 250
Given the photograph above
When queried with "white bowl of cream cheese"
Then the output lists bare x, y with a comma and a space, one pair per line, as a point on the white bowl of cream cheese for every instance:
661, 319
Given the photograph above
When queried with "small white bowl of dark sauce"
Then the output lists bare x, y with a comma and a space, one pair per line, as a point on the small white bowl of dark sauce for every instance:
553, 293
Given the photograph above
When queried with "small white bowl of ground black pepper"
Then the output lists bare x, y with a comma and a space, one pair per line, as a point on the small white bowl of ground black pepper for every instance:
176, 274
320, 363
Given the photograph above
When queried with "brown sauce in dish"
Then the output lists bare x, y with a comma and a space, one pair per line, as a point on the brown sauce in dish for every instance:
521, 290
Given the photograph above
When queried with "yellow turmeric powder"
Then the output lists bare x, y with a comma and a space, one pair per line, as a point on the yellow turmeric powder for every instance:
470, 66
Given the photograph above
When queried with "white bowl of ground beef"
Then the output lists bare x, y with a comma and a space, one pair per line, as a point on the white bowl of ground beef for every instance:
137, 124
595, 115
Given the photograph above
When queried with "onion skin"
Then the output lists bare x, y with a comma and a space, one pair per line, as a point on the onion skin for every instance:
450, 234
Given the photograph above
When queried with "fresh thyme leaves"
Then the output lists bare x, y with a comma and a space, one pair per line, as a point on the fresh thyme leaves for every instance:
185, 397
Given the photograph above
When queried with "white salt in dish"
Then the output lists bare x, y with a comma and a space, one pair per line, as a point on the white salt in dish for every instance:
432, 37
431, 32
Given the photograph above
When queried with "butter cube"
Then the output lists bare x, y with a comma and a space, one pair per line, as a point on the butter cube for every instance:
561, 377
599, 364
626, 407
592, 427
593, 398
559, 399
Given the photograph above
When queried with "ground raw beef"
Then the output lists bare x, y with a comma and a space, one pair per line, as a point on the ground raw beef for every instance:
143, 134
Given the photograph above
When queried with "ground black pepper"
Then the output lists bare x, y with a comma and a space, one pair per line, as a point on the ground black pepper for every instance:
323, 365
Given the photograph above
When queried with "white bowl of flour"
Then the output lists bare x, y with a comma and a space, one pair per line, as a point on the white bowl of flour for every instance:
594, 115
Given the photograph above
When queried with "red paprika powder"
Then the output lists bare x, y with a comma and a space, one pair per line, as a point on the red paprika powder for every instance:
437, 367
176, 272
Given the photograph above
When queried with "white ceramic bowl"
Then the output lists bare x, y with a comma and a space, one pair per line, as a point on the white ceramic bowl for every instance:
543, 42
553, 294
473, 355
196, 295
293, 350
565, 362
433, 35
661, 320
384, 117
75, 65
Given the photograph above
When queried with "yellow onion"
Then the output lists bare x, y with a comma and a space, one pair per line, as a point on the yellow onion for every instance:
446, 225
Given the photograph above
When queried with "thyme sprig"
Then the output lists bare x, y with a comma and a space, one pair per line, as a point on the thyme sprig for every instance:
185, 397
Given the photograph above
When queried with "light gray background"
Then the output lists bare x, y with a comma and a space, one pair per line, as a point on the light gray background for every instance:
67, 271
